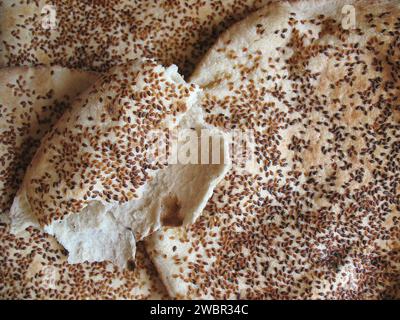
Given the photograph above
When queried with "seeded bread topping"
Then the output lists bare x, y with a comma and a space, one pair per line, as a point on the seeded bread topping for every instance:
98, 35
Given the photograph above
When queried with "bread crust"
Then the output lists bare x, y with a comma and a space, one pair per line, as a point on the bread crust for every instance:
93, 184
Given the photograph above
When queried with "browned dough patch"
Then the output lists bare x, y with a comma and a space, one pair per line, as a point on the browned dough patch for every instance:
171, 216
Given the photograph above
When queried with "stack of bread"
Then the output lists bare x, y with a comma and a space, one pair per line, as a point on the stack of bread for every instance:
86, 214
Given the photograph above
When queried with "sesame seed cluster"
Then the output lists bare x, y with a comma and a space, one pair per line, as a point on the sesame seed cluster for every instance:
318, 215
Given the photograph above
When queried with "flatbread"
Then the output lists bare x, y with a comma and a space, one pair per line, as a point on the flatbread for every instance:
98, 35
92, 183
318, 217
34, 265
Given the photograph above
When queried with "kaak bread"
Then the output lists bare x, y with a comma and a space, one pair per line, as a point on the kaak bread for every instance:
91, 185
318, 217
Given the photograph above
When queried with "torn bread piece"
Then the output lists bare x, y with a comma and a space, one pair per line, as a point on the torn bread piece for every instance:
32, 99
93, 185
